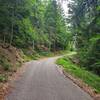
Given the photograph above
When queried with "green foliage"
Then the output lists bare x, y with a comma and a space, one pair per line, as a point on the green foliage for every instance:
55, 26
93, 55
85, 23
3, 78
5, 64
28, 21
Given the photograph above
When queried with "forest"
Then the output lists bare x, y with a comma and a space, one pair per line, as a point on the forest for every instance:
41, 27
39, 23
85, 22
44, 26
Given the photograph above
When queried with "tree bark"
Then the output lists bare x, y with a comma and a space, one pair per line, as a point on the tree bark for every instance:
12, 27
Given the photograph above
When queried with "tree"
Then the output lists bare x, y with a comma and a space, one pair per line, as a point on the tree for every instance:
55, 25
85, 17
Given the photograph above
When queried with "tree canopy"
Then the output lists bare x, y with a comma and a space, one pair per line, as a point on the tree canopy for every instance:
23, 22
85, 23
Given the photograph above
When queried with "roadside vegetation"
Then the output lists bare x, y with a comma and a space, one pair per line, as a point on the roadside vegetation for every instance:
80, 72
84, 25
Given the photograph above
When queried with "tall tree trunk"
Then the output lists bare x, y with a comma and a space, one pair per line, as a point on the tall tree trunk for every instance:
12, 28
33, 45
4, 40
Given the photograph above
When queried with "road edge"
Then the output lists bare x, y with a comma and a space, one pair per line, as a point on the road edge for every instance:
86, 88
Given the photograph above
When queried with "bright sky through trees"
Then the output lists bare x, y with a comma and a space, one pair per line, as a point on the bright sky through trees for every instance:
65, 5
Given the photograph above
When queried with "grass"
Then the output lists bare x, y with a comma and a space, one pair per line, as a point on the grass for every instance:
88, 77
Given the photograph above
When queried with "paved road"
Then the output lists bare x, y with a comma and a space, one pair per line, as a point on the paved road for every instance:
43, 81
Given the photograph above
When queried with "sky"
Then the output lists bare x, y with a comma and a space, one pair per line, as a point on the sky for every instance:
65, 5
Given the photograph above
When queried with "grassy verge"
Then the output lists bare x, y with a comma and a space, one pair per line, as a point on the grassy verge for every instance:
76, 71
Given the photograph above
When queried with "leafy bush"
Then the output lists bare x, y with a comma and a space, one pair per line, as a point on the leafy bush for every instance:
3, 78
96, 68
4, 63
90, 57
7, 66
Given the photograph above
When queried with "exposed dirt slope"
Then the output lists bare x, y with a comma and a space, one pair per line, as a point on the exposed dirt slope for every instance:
10, 59
11, 56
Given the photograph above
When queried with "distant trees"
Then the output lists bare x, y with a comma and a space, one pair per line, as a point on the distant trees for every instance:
85, 19
10, 13
42, 24
32, 23
55, 25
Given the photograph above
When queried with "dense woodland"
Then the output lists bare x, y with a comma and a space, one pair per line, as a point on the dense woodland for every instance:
85, 22
42, 25
37, 23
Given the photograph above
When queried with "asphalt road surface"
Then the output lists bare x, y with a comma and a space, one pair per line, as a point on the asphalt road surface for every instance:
43, 80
